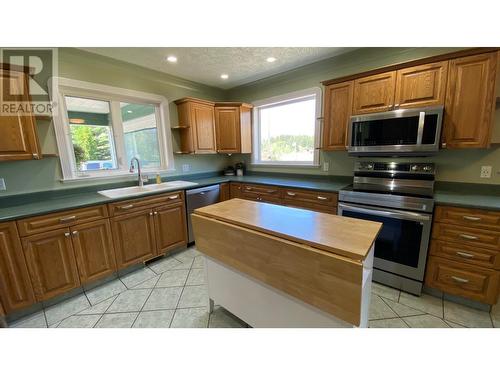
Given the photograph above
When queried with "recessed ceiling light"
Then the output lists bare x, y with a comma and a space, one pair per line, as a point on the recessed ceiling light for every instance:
271, 59
172, 59
224, 76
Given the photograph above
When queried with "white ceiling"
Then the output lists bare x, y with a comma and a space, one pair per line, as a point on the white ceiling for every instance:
206, 64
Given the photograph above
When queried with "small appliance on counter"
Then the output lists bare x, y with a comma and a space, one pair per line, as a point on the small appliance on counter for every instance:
229, 171
240, 168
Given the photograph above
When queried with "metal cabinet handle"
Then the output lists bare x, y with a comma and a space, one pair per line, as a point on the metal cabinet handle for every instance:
465, 255
471, 218
150, 214
75, 233
66, 234
173, 197
66, 219
127, 206
156, 213
248, 188
460, 280
322, 198
271, 191
291, 194
467, 236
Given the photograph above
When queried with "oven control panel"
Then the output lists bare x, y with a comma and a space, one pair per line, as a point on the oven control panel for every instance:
416, 168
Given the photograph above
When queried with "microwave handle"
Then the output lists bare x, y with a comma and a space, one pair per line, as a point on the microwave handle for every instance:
420, 130
385, 213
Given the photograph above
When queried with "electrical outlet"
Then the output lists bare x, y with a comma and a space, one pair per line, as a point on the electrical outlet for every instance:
326, 166
2, 184
186, 167
486, 171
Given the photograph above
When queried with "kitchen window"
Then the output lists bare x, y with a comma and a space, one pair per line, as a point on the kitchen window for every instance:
286, 129
100, 128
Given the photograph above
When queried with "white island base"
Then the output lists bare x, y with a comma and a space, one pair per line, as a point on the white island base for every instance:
262, 306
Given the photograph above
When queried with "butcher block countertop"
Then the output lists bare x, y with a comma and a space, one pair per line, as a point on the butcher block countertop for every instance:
348, 237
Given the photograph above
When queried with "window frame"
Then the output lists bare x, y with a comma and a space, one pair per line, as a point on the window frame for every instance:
113, 95
295, 96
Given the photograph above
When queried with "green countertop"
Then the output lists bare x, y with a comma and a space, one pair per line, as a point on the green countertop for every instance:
19, 206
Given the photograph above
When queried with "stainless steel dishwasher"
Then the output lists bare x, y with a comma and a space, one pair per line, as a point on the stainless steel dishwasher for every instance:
201, 197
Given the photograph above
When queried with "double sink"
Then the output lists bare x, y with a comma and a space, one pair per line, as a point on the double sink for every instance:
139, 190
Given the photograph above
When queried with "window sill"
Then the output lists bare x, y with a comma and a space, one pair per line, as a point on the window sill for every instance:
285, 165
123, 176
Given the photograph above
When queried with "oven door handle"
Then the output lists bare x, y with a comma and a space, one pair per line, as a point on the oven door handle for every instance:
394, 214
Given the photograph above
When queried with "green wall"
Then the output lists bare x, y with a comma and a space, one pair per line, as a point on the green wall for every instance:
38, 175
452, 165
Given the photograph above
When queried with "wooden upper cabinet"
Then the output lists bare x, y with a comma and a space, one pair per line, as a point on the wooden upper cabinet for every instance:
16, 291
170, 227
337, 111
51, 263
197, 126
374, 93
233, 128
18, 134
94, 252
470, 101
421, 86
134, 237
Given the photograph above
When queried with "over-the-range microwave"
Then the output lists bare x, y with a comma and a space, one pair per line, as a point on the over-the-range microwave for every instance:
414, 131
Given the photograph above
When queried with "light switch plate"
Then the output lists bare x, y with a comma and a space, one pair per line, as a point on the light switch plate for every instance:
186, 167
2, 184
326, 166
486, 171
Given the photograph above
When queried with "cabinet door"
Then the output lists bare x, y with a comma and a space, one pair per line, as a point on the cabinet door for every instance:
170, 227
374, 93
94, 250
420, 86
225, 193
234, 190
15, 285
227, 129
51, 263
203, 128
18, 135
134, 238
338, 109
470, 101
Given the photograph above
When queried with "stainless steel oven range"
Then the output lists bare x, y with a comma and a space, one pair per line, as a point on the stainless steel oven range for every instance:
400, 195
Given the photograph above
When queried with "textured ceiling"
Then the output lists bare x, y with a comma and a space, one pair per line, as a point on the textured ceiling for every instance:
205, 65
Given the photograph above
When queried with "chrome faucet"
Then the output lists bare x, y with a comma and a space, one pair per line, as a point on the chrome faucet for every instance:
139, 174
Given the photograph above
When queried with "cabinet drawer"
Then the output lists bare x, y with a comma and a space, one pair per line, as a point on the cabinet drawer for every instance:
465, 280
468, 217
269, 190
255, 196
134, 205
315, 200
40, 224
466, 254
465, 235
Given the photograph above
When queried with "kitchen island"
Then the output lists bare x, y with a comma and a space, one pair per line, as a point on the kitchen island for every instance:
276, 266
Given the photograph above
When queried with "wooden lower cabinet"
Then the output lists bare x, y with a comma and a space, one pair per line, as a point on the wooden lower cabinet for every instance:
225, 193
480, 284
16, 290
134, 237
234, 190
51, 263
170, 227
94, 251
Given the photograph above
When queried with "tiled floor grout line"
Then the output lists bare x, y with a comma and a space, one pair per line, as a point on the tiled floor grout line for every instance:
180, 296
146, 300
96, 323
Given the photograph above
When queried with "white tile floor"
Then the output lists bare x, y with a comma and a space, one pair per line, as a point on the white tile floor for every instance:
171, 292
